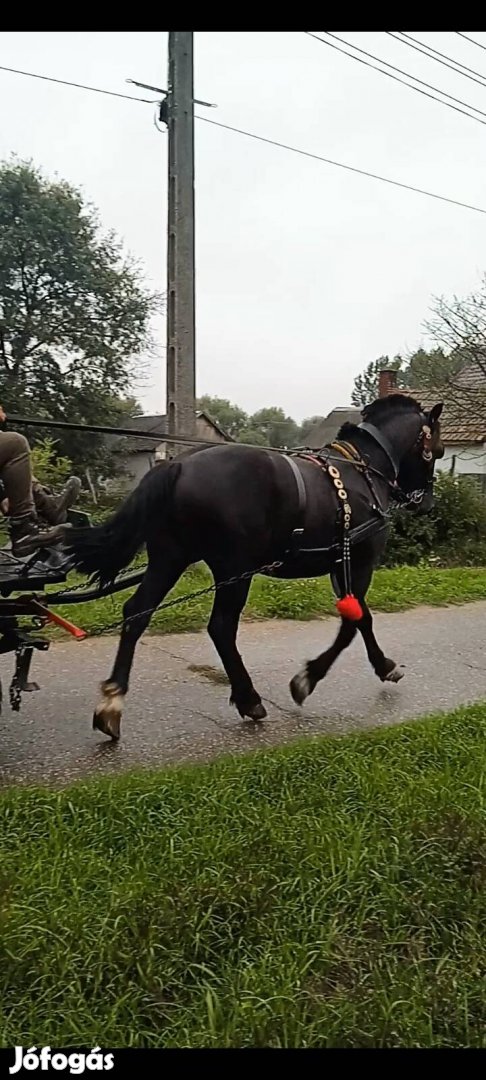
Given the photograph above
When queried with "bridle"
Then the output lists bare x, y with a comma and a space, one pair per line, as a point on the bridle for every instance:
422, 442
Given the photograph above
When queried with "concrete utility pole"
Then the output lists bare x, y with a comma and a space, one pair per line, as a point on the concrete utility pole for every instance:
181, 329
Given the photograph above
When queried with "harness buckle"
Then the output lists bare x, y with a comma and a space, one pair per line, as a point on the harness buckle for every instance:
295, 539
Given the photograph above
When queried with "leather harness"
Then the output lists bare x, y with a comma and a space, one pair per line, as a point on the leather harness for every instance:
321, 460
346, 450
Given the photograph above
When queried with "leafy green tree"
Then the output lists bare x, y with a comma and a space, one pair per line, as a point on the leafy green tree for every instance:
74, 312
432, 369
267, 427
252, 436
366, 385
230, 417
423, 370
306, 427
276, 428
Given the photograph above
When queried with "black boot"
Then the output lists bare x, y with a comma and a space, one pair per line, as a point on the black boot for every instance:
27, 535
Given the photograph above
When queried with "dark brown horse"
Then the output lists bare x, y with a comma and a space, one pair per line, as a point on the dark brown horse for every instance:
238, 508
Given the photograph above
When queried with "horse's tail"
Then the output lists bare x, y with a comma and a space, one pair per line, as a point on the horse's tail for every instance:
104, 550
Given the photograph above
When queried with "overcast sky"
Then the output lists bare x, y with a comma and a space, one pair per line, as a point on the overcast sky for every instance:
304, 272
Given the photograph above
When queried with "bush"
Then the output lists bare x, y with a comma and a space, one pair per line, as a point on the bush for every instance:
48, 466
454, 532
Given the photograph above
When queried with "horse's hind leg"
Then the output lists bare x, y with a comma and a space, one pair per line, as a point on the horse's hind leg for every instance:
228, 604
160, 577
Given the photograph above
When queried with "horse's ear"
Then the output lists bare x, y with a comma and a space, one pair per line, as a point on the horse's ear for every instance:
435, 413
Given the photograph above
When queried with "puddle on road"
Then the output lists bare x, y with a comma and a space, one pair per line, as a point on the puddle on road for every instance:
212, 674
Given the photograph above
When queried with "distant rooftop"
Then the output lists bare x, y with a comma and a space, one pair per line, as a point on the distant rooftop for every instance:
157, 425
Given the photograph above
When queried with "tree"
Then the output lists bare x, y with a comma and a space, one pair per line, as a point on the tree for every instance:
431, 370
98, 456
307, 425
459, 327
252, 436
267, 427
276, 428
74, 313
229, 417
366, 385
423, 370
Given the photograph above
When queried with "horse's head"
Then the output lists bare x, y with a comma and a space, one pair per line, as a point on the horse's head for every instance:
416, 473
414, 435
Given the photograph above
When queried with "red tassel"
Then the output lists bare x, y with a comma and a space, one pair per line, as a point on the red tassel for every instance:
350, 608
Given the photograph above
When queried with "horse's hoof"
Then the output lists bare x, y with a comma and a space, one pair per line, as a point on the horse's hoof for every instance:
300, 686
394, 675
107, 724
256, 712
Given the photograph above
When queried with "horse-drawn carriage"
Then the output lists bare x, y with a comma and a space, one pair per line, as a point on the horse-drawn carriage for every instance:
27, 599
24, 612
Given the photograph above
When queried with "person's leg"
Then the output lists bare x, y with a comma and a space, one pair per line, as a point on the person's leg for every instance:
16, 473
54, 508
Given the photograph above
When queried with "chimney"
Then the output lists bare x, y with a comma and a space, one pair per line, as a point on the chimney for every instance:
387, 382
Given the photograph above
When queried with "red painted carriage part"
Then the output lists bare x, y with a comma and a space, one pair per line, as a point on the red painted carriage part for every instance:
51, 616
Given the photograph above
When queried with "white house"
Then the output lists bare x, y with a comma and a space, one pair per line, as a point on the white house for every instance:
136, 456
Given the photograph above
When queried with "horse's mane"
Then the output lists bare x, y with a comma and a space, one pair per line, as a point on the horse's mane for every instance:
381, 408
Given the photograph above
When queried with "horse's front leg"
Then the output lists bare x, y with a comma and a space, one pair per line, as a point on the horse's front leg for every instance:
137, 613
386, 669
229, 602
306, 680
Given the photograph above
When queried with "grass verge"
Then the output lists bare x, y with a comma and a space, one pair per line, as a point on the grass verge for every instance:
331, 893
392, 590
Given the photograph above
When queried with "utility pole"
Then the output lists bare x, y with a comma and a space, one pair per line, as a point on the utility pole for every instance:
181, 329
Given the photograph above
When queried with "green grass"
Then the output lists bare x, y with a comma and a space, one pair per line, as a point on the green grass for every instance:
392, 590
332, 893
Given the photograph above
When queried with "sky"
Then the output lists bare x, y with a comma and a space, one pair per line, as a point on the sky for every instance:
305, 272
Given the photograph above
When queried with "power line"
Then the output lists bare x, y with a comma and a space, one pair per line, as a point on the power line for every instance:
395, 77
428, 51
473, 42
79, 86
340, 164
264, 139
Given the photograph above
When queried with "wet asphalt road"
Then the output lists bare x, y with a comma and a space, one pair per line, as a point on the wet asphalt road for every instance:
178, 709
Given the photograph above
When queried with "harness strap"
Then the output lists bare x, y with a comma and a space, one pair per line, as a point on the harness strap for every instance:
350, 535
382, 441
301, 492
348, 451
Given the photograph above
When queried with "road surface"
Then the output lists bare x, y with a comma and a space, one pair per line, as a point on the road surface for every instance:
178, 709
